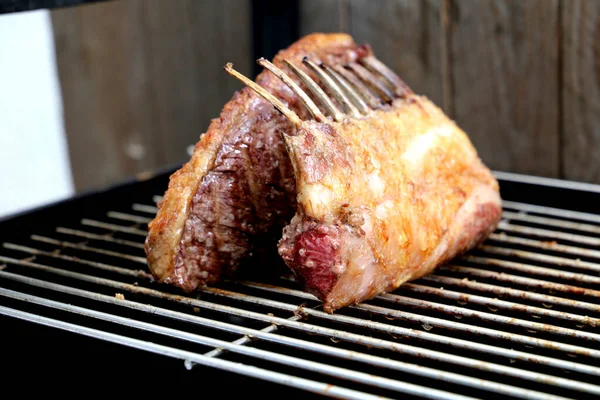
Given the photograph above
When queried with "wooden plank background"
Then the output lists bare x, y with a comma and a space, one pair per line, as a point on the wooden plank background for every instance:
504, 58
581, 91
141, 79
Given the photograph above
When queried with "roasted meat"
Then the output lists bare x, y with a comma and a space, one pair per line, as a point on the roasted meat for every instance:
388, 187
232, 199
331, 161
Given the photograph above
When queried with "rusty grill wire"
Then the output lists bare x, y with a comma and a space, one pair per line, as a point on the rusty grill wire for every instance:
518, 316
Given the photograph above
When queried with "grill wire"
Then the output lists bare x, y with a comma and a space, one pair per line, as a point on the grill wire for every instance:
517, 317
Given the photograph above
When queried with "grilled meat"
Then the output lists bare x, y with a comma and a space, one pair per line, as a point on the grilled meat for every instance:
233, 197
385, 193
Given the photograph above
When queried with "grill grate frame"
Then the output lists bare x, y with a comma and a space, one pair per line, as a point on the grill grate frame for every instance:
518, 316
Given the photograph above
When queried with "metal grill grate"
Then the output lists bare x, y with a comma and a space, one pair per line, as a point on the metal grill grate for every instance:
518, 317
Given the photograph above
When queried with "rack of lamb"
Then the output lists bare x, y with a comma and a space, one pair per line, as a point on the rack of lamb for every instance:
329, 159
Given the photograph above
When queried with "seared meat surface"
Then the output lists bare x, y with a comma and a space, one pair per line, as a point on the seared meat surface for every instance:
383, 200
374, 188
232, 199
385, 194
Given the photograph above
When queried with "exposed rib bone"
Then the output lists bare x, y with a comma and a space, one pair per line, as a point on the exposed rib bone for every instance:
359, 86
377, 66
312, 107
335, 89
316, 91
348, 89
292, 116
386, 93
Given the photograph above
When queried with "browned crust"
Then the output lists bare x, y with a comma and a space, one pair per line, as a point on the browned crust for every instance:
164, 231
425, 183
167, 227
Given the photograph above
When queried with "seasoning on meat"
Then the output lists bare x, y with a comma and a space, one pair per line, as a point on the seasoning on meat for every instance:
388, 187
229, 203
371, 184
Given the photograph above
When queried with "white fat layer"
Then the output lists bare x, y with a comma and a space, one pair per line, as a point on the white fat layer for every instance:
376, 185
361, 270
370, 268
381, 211
317, 197
363, 260
421, 145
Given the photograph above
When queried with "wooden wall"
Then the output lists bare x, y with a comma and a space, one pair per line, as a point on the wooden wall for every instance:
141, 79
